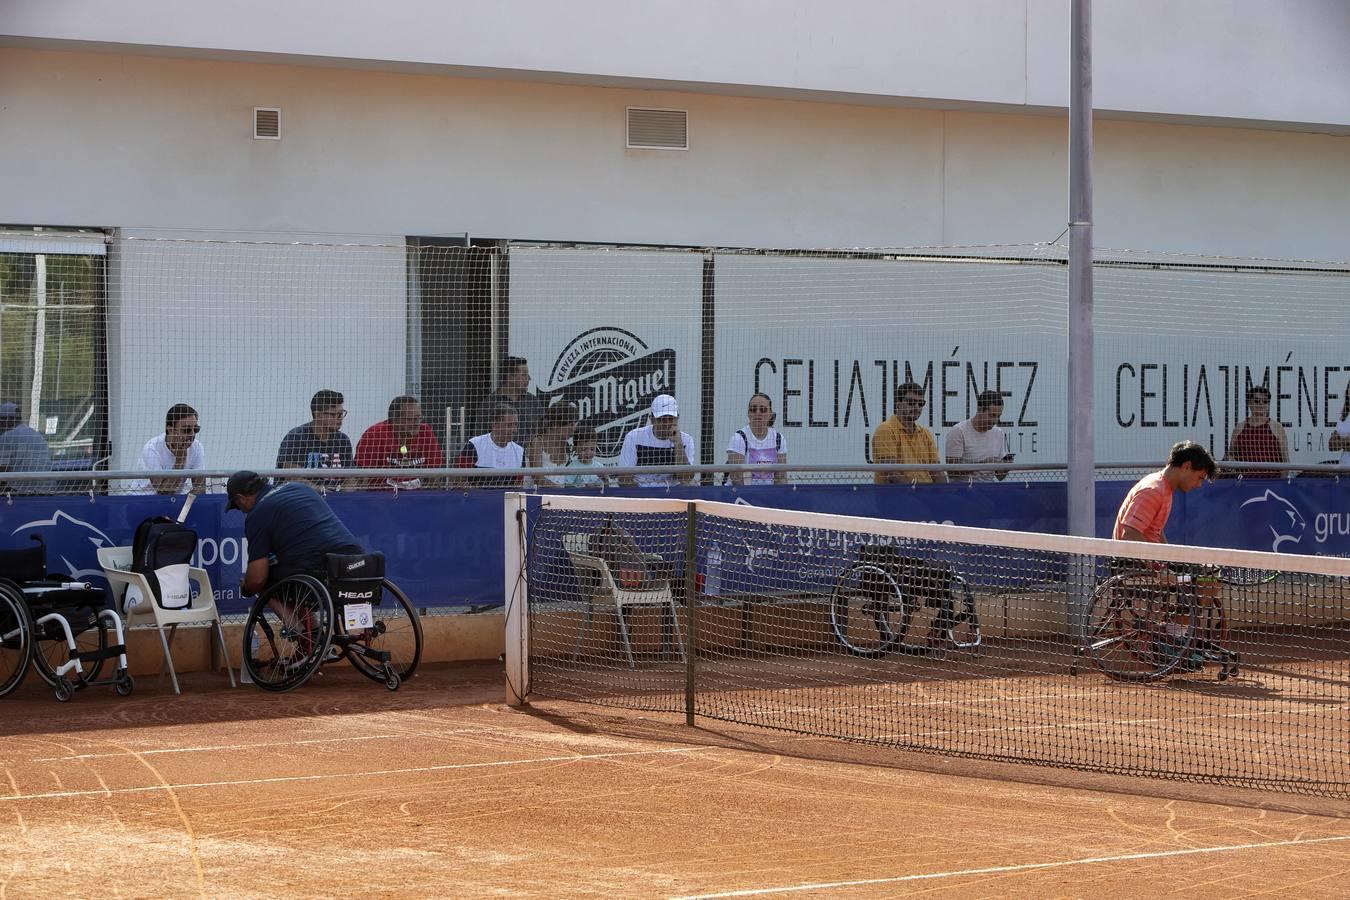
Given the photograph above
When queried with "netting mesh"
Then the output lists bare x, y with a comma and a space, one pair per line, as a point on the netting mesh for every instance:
105, 333
1173, 662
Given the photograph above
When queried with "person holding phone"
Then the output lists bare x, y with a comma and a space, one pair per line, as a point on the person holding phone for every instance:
979, 439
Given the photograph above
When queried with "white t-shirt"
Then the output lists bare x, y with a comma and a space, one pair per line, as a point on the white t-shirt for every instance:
490, 456
156, 455
1343, 429
758, 451
642, 448
965, 444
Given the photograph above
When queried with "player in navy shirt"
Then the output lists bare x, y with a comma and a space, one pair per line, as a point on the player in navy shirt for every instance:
289, 529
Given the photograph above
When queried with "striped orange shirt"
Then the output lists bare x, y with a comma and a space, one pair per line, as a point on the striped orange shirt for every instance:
1146, 508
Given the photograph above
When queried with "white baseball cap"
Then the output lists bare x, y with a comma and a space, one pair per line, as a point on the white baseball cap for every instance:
663, 406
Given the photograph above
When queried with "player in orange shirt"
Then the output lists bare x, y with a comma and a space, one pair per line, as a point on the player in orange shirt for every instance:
1143, 514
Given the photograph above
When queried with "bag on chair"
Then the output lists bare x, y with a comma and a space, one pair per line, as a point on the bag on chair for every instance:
162, 551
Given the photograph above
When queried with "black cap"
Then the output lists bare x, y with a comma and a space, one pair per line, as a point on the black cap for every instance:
243, 482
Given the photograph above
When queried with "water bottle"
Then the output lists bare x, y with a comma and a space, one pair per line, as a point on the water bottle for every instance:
713, 583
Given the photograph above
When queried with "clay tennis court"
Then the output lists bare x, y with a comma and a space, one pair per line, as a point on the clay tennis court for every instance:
442, 790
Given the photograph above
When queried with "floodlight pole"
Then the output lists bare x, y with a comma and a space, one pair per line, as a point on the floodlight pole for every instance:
1082, 508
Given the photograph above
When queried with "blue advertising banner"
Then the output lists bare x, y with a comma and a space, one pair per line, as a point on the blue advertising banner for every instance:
445, 548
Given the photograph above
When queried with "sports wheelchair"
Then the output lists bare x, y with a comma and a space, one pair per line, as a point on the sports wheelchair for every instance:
58, 626
888, 602
1146, 624
349, 611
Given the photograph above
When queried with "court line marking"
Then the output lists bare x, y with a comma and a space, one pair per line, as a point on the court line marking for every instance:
213, 749
1024, 867
54, 795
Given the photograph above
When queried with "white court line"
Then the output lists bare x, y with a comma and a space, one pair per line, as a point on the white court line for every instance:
52, 795
213, 749
1025, 867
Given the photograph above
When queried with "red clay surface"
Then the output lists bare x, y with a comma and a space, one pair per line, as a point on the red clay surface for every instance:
441, 790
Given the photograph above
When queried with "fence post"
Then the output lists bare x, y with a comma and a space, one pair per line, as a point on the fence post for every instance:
691, 607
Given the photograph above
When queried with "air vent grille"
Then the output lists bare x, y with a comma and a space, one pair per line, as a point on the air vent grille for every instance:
658, 129
266, 123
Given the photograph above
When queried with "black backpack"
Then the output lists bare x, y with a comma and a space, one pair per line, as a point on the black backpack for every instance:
162, 551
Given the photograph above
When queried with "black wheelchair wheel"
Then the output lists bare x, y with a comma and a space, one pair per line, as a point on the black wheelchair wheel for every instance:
865, 608
1140, 628
16, 638
51, 651
287, 633
397, 632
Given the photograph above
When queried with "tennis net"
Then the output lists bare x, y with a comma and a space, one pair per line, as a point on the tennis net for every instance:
1192, 663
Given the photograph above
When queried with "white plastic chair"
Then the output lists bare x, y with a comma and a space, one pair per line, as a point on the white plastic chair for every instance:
116, 563
603, 589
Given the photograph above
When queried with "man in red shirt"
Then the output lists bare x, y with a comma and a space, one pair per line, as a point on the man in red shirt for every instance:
1144, 513
402, 441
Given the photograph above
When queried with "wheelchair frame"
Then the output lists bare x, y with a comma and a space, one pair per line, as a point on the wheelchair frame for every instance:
45, 609
1144, 625
292, 624
897, 615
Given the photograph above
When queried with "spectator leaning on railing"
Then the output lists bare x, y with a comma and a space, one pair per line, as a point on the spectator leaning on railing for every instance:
176, 448
659, 443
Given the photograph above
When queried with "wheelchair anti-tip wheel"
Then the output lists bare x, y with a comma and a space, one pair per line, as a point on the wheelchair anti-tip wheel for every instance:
287, 634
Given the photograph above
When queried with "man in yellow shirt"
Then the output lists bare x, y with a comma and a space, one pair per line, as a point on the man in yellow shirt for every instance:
901, 439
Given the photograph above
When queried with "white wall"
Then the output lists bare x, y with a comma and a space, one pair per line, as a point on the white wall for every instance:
108, 140
1238, 59
246, 333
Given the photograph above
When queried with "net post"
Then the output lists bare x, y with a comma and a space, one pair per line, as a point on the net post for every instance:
690, 605
516, 594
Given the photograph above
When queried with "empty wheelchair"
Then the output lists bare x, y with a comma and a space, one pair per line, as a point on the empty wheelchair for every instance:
888, 602
352, 612
58, 626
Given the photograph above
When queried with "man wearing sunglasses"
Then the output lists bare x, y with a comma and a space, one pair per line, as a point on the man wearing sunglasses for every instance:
901, 439
177, 449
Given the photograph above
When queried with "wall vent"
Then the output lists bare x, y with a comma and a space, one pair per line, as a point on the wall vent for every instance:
266, 123
658, 129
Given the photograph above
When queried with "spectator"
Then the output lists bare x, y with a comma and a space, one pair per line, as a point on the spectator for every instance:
584, 444
513, 390
1340, 438
659, 443
494, 450
979, 439
402, 441
22, 450
549, 449
901, 439
177, 448
319, 443
1259, 438
758, 443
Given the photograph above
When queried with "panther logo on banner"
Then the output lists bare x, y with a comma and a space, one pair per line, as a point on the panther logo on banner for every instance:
1272, 513
612, 376
73, 541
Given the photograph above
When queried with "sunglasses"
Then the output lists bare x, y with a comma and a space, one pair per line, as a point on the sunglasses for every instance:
188, 429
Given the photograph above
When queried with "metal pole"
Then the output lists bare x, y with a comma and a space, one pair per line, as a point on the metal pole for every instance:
690, 605
1082, 507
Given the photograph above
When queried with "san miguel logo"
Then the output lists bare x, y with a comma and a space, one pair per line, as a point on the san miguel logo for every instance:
612, 376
